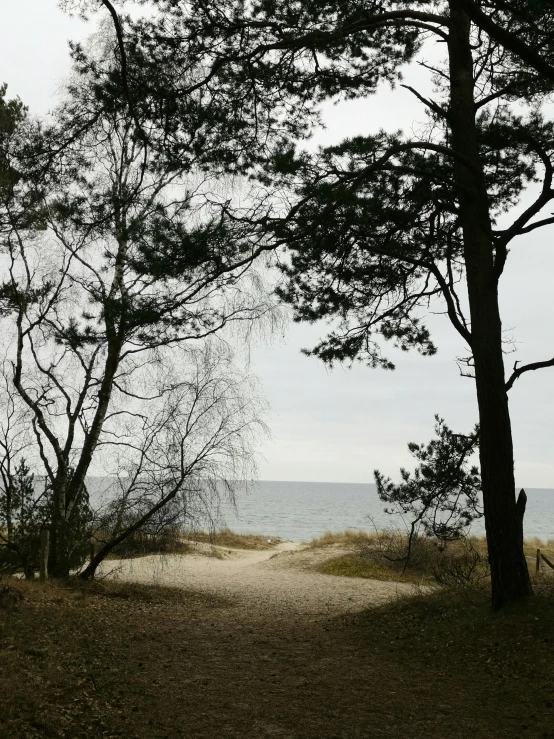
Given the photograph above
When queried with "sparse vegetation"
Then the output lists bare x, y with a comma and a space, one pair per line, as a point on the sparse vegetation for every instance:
227, 538
379, 555
348, 537
143, 543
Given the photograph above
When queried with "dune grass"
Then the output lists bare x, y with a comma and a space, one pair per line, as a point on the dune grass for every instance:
353, 536
348, 537
380, 555
352, 565
225, 537
530, 547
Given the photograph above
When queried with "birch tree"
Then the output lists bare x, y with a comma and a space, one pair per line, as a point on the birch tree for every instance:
88, 213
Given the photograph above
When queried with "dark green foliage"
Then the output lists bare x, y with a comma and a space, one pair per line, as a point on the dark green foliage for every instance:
374, 233
26, 506
20, 181
214, 78
12, 114
442, 496
23, 513
21, 518
530, 24
360, 243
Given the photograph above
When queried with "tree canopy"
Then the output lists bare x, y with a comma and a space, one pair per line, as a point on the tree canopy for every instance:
381, 226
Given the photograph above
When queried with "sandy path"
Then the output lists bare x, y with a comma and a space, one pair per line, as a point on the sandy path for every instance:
262, 583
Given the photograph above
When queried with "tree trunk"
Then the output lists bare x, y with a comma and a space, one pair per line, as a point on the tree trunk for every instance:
9, 506
58, 561
503, 519
60, 529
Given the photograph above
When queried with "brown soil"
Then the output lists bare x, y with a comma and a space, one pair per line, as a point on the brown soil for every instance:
136, 661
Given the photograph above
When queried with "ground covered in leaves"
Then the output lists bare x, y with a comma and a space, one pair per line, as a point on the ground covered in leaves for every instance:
116, 660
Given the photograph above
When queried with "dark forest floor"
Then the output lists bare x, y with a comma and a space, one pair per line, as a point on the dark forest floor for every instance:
147, 662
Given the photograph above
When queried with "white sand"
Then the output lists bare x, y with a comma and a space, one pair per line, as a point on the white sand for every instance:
263, 583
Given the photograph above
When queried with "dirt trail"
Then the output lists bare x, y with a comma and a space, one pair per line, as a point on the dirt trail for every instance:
274, 582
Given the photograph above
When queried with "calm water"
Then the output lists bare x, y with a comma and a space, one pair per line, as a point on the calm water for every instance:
300, 511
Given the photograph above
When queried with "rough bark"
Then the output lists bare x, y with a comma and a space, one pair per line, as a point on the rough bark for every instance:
503, 522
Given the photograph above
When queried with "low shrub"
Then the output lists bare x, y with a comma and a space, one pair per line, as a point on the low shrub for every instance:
461, 564
391, 555
447, 563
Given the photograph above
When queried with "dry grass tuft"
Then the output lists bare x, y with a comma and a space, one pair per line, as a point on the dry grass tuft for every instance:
380, 555
536, 543
230, 539
348, 537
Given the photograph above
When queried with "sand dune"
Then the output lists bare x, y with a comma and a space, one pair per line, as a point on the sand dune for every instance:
279, 581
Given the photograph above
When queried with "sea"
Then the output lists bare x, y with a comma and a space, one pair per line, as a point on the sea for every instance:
302, 511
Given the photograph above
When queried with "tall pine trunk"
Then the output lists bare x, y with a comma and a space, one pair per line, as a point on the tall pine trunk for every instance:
503, 517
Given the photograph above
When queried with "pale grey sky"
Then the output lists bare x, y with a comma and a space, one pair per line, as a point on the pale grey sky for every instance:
340, 425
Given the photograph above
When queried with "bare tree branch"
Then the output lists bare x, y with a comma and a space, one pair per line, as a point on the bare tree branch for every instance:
518, 371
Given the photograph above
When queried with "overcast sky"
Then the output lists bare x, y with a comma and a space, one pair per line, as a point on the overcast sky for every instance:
338, 426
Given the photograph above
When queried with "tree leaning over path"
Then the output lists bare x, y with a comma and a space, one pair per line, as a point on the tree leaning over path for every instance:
380, 225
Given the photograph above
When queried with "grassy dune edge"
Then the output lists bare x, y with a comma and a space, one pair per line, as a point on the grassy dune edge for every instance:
225, 537
381, 555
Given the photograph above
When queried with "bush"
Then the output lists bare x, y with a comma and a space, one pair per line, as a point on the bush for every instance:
447, 563
24, 510
162, 533
461, 564
141, 543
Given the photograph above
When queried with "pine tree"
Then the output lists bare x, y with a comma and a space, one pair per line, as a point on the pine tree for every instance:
441, 498
379, 225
